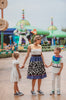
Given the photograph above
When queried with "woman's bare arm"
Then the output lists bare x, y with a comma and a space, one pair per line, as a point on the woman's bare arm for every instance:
28, 52
50, 64
43, 59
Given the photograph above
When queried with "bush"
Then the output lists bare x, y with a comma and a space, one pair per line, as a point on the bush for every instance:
56, 43
5, 55
62, 42
22, 50
45, 42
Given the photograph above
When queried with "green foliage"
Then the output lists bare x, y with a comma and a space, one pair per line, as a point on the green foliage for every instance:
65, 42
5, 55
22, 50
56, 43
62, 42
63, 29
32, 40
46, 44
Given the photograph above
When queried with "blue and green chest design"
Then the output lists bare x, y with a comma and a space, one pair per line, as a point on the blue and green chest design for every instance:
56, 60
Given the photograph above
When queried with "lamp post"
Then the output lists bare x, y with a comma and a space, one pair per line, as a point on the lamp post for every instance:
3, 23
53, 39
2, 31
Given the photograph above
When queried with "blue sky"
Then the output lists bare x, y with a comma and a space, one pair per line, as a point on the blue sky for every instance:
37, 12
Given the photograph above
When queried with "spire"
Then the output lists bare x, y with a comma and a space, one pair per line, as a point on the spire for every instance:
23, 14
51, 21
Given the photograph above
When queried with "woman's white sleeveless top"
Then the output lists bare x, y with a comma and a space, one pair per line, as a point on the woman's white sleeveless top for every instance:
36, 51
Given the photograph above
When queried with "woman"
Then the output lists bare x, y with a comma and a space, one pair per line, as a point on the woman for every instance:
36, 69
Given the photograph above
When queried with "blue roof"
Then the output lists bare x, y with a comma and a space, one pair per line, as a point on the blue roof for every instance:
9, 31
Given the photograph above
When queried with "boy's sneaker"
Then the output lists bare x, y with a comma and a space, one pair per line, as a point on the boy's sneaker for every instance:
40, 92
16, 94
58, 93
52, 92
20, 94
33, 93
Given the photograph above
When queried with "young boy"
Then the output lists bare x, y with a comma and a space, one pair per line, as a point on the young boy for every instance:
57, 66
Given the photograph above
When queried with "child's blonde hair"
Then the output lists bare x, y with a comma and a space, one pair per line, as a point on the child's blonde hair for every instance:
16, 54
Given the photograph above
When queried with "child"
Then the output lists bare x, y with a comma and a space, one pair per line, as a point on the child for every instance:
15, 74
57, 66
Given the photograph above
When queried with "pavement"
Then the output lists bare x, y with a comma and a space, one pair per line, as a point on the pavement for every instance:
6, 87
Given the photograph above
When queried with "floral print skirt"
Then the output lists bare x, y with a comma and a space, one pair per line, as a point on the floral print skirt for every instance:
36, 69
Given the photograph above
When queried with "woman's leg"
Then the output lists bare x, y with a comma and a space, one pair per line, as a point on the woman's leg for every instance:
39, 84
33, 84
15, 87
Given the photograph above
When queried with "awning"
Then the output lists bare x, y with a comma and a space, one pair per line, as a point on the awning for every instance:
9, 31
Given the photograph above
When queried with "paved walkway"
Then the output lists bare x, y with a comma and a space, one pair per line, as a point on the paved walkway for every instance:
6, 87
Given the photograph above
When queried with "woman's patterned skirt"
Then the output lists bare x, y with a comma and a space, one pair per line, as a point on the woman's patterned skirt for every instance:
36, 69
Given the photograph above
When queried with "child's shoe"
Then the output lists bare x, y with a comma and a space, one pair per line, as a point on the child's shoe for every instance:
16, 94
33, 93
58, 93
20, 94
40, 92
52, 92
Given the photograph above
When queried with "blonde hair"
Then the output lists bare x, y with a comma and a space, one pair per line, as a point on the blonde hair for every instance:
16, 54
37, 37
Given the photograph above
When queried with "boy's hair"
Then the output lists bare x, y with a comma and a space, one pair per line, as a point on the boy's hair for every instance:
16, 54
58, 48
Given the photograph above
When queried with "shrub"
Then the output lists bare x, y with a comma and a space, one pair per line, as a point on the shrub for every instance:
22, 50
5, 55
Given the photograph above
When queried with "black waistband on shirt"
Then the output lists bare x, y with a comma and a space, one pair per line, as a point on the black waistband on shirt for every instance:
36, 55
57, 66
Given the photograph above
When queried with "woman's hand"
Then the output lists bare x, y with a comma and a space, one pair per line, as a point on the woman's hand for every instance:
22, 67
28, 52
48, 66
45, 65
43, 60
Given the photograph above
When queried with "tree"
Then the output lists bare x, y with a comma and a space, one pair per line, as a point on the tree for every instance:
63, 29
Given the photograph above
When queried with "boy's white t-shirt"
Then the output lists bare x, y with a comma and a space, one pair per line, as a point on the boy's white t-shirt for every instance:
57, 67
